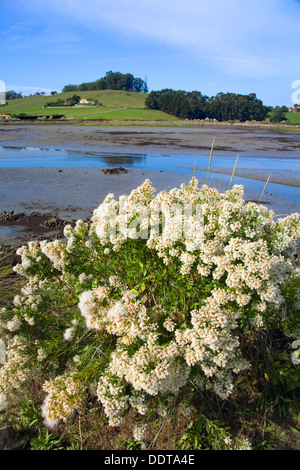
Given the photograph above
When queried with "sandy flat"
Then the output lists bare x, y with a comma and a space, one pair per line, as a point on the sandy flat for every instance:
73, 192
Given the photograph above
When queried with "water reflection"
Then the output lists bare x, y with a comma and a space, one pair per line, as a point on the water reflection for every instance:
27, 157
111, 160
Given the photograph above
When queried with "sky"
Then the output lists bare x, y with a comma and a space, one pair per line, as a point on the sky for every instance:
213, 46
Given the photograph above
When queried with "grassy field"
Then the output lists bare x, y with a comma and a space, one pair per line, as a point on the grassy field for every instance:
293, 118
114, 105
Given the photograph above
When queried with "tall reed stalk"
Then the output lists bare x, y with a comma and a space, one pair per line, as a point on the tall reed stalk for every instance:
265, 188
233, 171
210, 158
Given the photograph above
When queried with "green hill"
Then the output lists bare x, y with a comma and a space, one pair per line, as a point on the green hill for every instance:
114, 105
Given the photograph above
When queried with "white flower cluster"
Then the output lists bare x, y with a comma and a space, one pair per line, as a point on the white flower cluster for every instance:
114, 399
139, 431
15, 372
161, 369
55, 251
27, 253
195, 225
227, 240
65, 395
165, 220
236, 257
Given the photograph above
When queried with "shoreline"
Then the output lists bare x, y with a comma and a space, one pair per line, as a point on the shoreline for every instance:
159, 123
257, 174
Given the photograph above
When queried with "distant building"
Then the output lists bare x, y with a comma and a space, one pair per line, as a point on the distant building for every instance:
86, 101
295, 108
4, 116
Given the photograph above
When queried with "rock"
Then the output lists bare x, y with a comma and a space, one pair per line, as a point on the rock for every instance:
35, 214
10, 215
114, 171
55, 221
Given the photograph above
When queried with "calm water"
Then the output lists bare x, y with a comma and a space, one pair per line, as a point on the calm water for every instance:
15, 157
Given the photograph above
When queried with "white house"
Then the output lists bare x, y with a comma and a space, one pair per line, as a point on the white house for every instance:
86, 101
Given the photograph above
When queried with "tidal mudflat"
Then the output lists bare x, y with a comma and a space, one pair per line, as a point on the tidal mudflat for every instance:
73, 191
252, 141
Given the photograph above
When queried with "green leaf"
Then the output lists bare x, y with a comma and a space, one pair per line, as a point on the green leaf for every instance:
295, 430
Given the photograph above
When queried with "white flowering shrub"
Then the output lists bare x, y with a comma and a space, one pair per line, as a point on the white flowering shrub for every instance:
148, 302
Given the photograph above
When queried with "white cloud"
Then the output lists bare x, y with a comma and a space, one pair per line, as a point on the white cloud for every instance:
255, 39
29, 90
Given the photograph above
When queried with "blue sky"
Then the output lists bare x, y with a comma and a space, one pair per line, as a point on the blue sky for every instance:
210, 46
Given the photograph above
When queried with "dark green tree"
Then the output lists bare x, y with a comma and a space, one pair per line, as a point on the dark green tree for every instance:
68, 88
13, 95
278, 115
194, 105
112, 81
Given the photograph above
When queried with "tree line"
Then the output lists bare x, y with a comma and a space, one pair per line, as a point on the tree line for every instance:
13, 95
182, 104
72, 101
194, 105
112, 81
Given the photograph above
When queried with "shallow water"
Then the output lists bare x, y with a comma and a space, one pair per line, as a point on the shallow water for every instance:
10, 234
26, 157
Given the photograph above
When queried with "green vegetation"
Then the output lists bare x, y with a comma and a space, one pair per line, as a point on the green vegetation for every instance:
293, 118
112, 81
72, 101
13, 95
194, 105
278, 114
114, 105
10, 283
134, 342
165, 105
